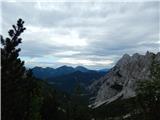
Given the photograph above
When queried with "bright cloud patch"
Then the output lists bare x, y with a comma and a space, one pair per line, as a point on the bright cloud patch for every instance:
84, 62
67, 53
71, 39
50, 36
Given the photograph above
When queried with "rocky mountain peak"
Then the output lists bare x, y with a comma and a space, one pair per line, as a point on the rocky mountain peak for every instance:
120, 81
124, 60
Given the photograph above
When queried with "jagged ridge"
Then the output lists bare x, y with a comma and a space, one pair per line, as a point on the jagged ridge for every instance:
120, 81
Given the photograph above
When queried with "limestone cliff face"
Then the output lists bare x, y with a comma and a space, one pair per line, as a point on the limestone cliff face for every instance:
120, 81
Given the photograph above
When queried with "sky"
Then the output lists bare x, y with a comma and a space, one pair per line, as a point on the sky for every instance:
88, 33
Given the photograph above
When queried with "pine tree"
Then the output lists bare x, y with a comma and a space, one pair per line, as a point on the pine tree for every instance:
20, 92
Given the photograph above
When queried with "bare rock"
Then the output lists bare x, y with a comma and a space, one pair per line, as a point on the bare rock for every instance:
120, 81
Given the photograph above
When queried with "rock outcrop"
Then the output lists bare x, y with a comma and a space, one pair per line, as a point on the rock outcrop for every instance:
120, 81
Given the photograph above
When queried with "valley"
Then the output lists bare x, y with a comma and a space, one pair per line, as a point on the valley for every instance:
80, 60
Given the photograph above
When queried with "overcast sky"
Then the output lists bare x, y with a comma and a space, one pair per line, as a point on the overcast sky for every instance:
92, 34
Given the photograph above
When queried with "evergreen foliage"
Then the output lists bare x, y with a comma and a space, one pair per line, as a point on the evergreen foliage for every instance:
14, 102
20, 91
148, 93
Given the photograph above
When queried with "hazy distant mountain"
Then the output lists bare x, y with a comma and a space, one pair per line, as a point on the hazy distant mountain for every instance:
44, 73
66, 78
104, 70
69, 82
81, 68
63, 70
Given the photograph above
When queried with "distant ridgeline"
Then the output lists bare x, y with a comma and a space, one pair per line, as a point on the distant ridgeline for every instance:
66, 78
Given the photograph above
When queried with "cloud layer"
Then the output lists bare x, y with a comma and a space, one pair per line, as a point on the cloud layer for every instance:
93, 34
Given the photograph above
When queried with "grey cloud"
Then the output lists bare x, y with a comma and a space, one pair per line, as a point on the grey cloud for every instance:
33, 49
110, 29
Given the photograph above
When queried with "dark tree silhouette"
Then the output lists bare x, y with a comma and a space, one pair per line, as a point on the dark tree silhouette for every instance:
13, 73
19, 89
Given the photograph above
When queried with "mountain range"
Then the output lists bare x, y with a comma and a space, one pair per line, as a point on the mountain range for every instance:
66, 78
48, 72
106, 85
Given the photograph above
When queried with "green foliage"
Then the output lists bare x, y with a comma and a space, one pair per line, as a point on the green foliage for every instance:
116, 109
77, 108
21, 96
13, 76
36, 103
148, 93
